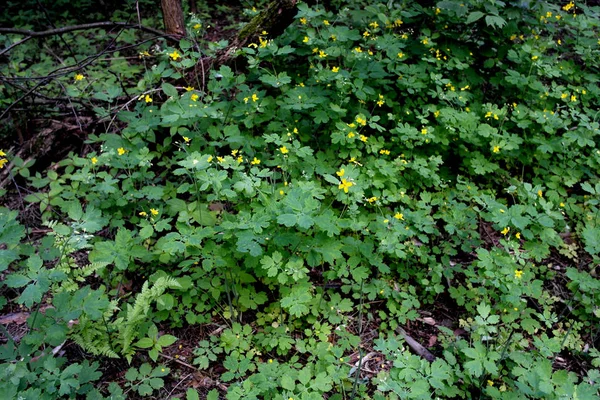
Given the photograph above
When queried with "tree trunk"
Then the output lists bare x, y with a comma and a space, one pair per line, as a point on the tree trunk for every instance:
173, 17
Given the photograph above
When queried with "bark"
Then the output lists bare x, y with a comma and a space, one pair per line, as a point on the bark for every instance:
173, 17
274, 19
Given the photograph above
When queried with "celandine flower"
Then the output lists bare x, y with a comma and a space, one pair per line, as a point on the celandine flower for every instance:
345, 185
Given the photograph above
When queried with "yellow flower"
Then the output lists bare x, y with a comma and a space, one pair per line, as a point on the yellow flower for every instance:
399, 216
340, 173
270, 361
2, 153
325, 22
424, 131
303, 21
366, 33
121, 151
573, 98
281, 192
239, 159
197, 26
351, 135
372, 199
194, 97
143, 214
518, 235
518, 274
175, 55
220, 159
564, 95
305, 40
2, 162
383, 151
385, 221
254, 98
322, 54
345, 185
189, 89
502, 211
436, 114
397, 23
333, 37
363, 138
335, 69
496, 149
533, 58
361, 121
567, 7
562, 204
246, 100
154, 211
540, 193
380, 102
425, 41
94, 160
505, 231
284, 150
437, 11
358, 49
490, 383
256, 161
400, 55
79, 77
209, 159
148, 99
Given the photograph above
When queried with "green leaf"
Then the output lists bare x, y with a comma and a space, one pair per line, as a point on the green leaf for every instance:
484, 310
169, 90
288, 220
145, 343
213, 395
495, 21
144, 389
166, 340
287, 382
474, 16
192, 394
17, 280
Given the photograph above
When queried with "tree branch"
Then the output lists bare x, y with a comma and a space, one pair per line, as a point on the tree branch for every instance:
50, 32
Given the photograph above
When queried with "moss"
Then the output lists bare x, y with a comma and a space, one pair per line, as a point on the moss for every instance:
278, 14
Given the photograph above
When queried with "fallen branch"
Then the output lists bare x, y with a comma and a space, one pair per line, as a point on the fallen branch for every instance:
274, 19
417, 348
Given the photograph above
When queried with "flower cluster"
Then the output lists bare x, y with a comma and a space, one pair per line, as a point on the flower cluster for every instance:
2, 159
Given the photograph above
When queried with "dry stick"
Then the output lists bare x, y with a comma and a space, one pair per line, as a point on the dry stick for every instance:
417, 348
82, 27
49, 77
178, 361
178, 383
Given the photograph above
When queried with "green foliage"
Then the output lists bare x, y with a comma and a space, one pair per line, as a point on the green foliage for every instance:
370, 164
145, 379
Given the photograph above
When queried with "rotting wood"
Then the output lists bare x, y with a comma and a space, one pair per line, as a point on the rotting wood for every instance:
274, 19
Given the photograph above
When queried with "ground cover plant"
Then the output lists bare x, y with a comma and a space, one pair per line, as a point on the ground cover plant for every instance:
387, 201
